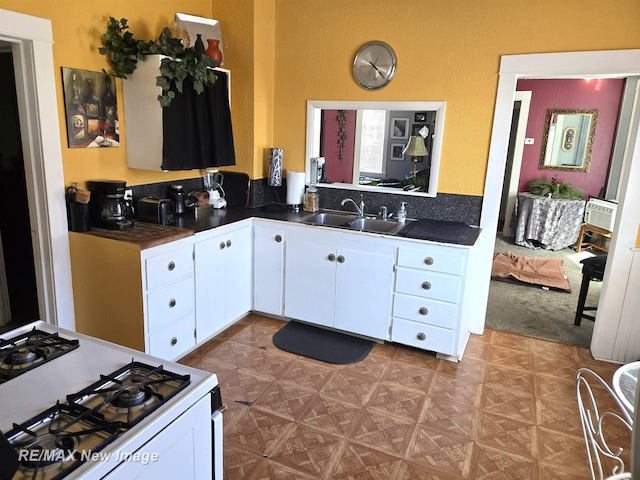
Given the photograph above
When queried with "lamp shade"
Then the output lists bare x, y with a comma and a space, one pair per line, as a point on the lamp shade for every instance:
416, 147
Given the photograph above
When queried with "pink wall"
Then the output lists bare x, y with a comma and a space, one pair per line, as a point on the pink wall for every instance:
338, 170
603, 94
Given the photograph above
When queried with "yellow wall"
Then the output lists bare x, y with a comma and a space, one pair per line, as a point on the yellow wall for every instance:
285, 52
447, 50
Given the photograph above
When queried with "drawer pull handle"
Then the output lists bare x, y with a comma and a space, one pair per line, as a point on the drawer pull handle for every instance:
228, 243
428, 260
421, 336
171, 266
331, 257
423, 311
172, 303
278, 238
340, 259
426, 285
173, 342
222, 245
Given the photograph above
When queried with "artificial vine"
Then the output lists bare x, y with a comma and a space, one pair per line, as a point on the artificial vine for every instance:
123, 52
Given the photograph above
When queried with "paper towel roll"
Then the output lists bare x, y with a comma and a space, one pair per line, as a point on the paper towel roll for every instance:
295, 187
275, 167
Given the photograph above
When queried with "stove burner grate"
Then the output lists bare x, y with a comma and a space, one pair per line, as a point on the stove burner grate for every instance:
129, 394
24, 352
59, 440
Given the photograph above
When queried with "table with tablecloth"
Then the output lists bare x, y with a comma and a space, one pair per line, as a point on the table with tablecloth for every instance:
549, 223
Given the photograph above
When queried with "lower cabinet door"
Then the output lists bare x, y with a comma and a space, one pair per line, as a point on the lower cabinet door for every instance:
425, 337
173, 340
363, 293
310, 271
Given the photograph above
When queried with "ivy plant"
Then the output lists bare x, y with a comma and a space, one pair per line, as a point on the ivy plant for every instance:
123, 52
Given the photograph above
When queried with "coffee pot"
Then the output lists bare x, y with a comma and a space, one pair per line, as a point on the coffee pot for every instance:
109, 209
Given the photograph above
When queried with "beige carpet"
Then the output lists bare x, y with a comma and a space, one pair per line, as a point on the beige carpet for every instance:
539, 312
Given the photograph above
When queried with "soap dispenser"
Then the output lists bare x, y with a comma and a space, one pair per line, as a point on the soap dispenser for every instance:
402, 213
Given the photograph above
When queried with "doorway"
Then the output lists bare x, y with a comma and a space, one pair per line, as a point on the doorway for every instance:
616, 336
30, 41
18, 281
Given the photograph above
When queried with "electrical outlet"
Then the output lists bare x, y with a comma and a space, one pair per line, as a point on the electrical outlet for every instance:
128, 194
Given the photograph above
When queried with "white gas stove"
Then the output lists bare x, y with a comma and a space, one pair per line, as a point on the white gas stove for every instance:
73, 406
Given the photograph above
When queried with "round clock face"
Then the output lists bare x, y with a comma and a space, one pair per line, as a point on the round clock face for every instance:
374, 65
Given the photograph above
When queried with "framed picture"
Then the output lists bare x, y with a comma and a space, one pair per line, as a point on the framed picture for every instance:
396, 151
415, 128
399, 128
91, 108
420, 117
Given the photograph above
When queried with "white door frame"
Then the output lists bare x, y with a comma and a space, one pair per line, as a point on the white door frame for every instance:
524, 97
614, 338
31, 42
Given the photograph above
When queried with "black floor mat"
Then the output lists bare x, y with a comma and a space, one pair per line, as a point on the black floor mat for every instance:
320, 344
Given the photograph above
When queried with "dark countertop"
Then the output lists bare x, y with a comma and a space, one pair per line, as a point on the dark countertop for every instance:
147, 235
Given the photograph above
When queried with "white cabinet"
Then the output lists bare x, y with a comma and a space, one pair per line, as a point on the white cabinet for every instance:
332, 279
169, 301
223, 277
268, 267
429, 311
140, 298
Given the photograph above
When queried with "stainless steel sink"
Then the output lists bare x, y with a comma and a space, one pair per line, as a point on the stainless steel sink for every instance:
375, 225
330, 219
353, 222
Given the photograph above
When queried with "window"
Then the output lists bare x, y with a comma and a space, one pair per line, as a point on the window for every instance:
371, 125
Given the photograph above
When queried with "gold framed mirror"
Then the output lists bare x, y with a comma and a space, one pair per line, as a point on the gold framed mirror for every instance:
567, 143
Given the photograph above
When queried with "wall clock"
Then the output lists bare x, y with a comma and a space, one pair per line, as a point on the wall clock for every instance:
374, 65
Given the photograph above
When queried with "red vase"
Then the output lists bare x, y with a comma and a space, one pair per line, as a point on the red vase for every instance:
213, 50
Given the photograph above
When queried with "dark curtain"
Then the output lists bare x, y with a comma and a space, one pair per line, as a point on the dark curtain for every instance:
197, 129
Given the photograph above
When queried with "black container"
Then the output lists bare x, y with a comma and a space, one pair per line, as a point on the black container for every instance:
78, 217
177, 196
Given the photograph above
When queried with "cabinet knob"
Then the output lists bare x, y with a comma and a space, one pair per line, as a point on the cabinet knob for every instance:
173, 341
222, 245
172, 303
423, 311
331, 257
428, 260
421, 336
426, 285
171, 266
278, 238
340, 259
228, 243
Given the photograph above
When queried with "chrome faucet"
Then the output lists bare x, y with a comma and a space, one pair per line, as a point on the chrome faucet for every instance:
384, 213
360, 208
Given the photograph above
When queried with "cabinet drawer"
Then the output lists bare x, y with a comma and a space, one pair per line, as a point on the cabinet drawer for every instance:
428, 284
425, 310
169, 303
425, 337
433, 258
168, 267
173, 340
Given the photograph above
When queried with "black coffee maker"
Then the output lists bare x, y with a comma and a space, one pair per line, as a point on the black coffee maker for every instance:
108, 207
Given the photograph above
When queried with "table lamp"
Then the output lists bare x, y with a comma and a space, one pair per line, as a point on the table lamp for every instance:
416, 148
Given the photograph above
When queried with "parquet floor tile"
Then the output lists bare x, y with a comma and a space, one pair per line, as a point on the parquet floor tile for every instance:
508, 410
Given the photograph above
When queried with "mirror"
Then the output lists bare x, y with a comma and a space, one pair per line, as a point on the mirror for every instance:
568, 140
363, 143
